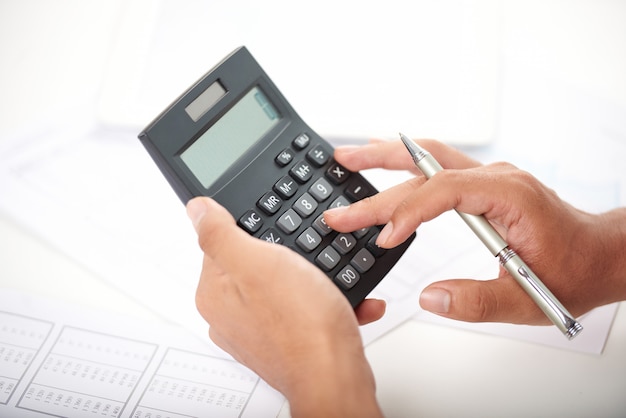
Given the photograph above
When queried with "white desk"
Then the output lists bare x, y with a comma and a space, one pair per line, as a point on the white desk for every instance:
421, 369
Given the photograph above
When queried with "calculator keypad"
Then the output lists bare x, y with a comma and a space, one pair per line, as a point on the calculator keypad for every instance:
311, 182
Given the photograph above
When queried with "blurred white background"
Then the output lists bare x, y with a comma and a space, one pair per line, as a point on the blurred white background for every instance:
432, 68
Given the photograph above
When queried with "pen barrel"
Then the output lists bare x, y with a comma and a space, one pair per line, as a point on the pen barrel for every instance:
427, 164
540, 294
485, 232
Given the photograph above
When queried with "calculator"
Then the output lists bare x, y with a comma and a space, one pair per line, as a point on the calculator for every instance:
234, 137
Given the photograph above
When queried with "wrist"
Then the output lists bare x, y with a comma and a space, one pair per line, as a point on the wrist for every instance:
611, 258
335, 384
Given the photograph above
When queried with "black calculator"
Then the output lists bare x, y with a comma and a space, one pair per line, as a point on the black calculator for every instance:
234, 137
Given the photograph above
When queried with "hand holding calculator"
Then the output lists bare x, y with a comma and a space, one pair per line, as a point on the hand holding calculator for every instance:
234, 137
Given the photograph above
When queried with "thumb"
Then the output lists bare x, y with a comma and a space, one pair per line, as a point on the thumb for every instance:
370, 310
216, 228
498, 300
198, 207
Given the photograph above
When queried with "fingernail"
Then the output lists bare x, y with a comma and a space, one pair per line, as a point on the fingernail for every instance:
435, 300
196, 209
384, 234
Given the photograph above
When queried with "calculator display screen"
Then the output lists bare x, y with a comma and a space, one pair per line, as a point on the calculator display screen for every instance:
228, 139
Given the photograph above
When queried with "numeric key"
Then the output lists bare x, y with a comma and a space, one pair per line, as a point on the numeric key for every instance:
309, 240
321, 189
305, 205
347, 277
289, 221
328, 258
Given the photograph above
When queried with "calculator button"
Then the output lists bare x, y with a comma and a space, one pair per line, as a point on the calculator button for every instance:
321, 189
269, 203
284, 157
347, 277
286, 187
363, 260
337, 173
328, 259
251, 221
320, 226
302, 172
318, 155
309, 240
344, 243
360, 233
289, 221
305, 205
373, 248
272, 236
301, 141
339, 202
357, 189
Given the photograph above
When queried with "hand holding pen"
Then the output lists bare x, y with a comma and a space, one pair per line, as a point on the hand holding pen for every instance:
580, 257
511, 261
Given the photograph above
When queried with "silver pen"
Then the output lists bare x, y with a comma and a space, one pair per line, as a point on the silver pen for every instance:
512, 262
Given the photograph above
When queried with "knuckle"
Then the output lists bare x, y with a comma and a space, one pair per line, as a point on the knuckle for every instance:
532, 189
450, 176
525, 178
415, 183
403, 210
408, 209
503, 166
373, 205
485, 308
481, 305
480, 310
